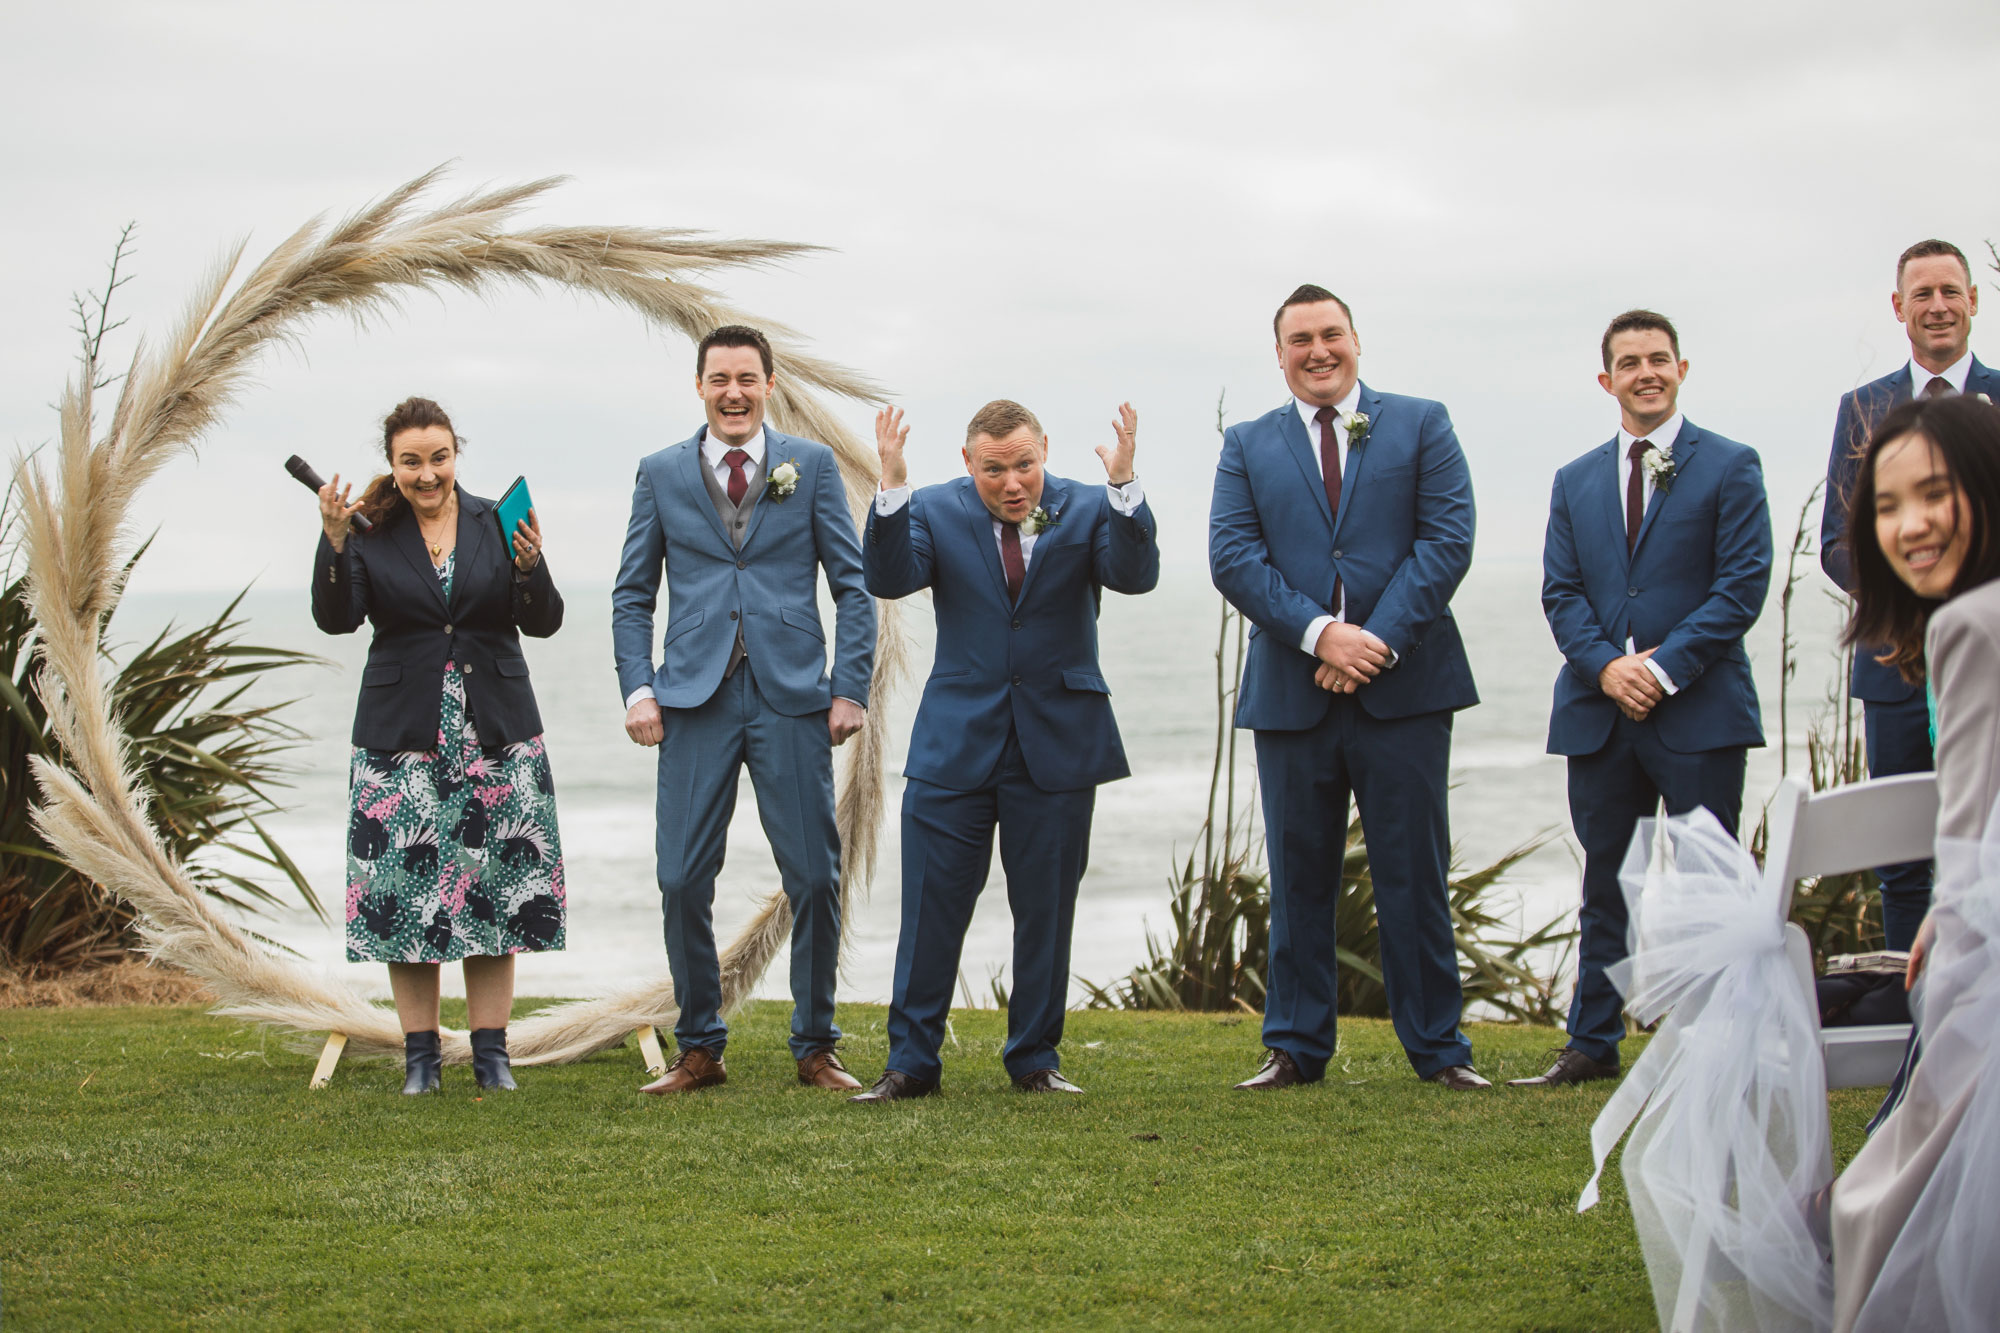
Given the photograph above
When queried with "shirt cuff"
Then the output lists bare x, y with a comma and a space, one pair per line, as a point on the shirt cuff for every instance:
1126, 499
856, 702
1660, 674
1311, 642
643, 692
889, 501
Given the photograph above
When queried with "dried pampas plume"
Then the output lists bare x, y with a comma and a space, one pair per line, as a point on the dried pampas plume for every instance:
93, 814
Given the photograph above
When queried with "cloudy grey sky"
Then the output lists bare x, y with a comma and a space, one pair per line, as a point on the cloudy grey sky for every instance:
1067, 204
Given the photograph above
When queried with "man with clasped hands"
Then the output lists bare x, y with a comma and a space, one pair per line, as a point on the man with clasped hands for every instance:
1341, 526
1015, 728
742, 519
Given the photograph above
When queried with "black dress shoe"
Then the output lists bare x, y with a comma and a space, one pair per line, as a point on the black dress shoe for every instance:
1279, 1070
423, 1059
1459, 1078
489, 1059
896, 1086
1046, 1080
1571, 1066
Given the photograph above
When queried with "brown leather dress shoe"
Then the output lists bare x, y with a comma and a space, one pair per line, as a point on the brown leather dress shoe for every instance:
1045, 1080
1278, 1071
1459, 1078
1571, 1066
896, 1086
822, 1069
696, 1067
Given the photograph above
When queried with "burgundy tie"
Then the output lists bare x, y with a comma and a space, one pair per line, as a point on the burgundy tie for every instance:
738, 483
1939, 387
1635, 496
1010, 558
1329, 471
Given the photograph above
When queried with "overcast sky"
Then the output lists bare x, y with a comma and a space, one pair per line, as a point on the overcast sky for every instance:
1069, 204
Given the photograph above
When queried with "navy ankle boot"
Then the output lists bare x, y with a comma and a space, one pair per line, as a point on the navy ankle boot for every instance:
489, 1059
423, 1059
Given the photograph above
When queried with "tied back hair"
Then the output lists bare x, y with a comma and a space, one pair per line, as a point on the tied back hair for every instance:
1963, 437
382, 499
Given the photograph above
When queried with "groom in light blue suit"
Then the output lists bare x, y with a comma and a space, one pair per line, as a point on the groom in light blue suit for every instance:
741, 520
1340, 527
1656, 564
1015, 730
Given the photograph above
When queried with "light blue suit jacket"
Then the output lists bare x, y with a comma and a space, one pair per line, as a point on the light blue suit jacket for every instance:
1030, 666
771, 584
1691, 588
1399, 546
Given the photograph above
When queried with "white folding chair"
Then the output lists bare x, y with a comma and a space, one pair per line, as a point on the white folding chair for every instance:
1848, 828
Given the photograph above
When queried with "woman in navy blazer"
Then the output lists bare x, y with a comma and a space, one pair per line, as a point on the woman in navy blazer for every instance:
453, 849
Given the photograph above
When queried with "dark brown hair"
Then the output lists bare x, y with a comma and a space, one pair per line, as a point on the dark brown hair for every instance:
1963, 435
999, 419
382, 500
1638, 319
1308, 294
733, 335
1930, 249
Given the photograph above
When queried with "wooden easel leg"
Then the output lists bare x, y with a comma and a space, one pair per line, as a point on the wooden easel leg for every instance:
329, 1056
649, 1048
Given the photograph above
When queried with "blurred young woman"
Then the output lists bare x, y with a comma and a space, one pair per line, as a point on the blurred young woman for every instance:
1915, 1220
452, 848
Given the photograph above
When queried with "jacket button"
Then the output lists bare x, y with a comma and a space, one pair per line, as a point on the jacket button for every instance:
1017, 680
1338, 555
467, 668
1631, 592
742, 564
447, 629
732, 615
1017, 624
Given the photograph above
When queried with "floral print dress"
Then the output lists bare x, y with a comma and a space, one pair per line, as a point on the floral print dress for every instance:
453, 852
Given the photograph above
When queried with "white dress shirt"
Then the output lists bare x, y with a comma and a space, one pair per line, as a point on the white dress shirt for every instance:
1342, 411
1954, 374
1126, 499
1661, 439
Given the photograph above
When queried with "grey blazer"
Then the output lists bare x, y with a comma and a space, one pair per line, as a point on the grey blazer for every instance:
1962, 647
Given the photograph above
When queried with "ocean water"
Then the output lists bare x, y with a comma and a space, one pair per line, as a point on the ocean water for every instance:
1158, 653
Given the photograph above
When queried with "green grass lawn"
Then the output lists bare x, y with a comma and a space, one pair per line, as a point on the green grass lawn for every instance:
162, 1168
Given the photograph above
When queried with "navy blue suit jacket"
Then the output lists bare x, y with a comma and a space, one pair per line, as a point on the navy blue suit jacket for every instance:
772, 583
1030, 666
1860, 412
1399, 546
1691, 588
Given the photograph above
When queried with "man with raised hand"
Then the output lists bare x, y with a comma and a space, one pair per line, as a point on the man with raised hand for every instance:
1015, 730
1341, 526
1935, 300
741, 520
1656, 563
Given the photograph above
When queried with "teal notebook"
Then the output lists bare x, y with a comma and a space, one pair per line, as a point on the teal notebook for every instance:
512, 509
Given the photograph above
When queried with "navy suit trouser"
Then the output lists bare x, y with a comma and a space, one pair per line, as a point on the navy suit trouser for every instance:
947, 852
1396, 771
791, 770
1899, 741
1609, 793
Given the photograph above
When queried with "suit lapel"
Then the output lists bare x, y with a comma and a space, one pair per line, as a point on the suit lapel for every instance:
1305, 452
1981, 380
773, 447
1055, 498
408, 537
980, 523
1611, 475
1355, 459
1683, 453
689, 465
474, 521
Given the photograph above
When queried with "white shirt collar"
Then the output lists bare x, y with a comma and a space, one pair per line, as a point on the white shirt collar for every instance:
1954, 374
712, 447
1661, 439
1345, 407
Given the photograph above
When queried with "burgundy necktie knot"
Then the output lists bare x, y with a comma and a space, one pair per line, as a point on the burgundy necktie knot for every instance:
738, 482
1638, 449
1939, 387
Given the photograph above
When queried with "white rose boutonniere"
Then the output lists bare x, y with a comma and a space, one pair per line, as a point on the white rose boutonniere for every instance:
1660, 467
1984, 399
1357, 428
1037, 523
784, 479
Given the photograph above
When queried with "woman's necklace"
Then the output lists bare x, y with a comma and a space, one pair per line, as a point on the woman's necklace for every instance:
437, 545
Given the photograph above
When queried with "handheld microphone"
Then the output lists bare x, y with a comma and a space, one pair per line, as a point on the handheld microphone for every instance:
312, 481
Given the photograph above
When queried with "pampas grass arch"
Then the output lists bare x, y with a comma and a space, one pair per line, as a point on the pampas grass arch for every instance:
173, 396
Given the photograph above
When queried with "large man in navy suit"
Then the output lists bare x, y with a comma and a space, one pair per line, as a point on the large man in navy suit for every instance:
1935, 300
1341, 526
1657, 560
742, 520
1015, 729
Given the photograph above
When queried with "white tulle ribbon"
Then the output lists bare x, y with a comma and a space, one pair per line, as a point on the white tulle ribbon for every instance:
1727, 1105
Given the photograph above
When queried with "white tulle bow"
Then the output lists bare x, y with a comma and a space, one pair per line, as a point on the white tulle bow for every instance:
1731, 1140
